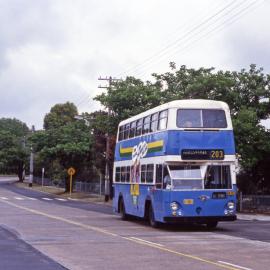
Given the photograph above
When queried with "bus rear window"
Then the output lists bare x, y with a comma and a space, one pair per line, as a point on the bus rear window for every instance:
205, 118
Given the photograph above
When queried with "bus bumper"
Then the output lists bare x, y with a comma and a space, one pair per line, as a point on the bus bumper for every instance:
201, 220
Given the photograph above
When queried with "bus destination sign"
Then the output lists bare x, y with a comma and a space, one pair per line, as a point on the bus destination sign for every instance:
202, 154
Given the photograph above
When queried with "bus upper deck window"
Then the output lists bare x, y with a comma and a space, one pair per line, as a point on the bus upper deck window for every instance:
189, 118
126, 131
146, 125
214, 119
132, 129
121, 133
139, 127
162, 120
201, 118
154, 122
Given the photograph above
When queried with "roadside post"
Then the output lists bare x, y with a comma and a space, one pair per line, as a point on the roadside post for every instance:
42, 179
71, 171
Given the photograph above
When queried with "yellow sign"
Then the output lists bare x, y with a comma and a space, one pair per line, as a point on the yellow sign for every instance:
135, 189
71, 171
188, 201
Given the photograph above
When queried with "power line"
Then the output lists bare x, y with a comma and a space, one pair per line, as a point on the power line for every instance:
194, 28
222, 25
82, 99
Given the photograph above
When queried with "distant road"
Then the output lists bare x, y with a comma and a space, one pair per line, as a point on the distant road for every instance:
79, 235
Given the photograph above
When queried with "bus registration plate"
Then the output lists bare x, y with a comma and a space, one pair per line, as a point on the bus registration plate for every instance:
188, 201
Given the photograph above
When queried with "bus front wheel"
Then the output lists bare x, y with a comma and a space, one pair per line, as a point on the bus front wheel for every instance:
153, 223
122, 210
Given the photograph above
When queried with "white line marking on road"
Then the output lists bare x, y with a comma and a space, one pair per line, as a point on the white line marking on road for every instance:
47, 199
19, 198
72, 199
235, 265
32, 199
4, 198
60, 199
149, 242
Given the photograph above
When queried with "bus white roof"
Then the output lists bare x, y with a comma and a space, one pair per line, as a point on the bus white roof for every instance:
185, 104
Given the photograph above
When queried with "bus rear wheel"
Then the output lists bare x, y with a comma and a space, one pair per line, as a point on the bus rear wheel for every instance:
153, 223
211, 225
122, 210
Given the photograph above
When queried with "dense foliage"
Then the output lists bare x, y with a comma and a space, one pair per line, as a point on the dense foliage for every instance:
247, 93
13, 148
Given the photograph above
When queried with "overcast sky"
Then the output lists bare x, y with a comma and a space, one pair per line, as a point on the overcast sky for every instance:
53, 51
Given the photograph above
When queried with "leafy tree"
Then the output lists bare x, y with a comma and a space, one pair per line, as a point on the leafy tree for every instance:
59, 115
247, 92
13, 151
65, 142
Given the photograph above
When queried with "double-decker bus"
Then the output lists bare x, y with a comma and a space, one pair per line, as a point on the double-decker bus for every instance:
176, 163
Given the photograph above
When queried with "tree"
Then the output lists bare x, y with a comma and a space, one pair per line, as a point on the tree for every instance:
65, 142
59, 115
247, 92
13, 151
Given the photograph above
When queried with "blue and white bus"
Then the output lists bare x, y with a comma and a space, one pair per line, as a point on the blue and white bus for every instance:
176, 163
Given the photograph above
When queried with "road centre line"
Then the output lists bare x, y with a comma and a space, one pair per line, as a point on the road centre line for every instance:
60, 199
4, 198
19, 198
149, 242
235, 265
96, 229
47, 199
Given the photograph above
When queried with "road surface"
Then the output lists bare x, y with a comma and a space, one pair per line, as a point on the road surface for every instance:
39, 230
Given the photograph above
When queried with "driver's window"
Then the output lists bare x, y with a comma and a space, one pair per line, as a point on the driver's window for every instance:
159, 177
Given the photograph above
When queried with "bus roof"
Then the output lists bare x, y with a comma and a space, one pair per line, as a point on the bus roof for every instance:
185, 104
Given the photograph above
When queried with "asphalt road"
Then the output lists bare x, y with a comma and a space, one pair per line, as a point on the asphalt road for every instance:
77, 235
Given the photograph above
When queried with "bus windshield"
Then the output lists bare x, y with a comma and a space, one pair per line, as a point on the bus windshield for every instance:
200, 177
186, 177
201, 118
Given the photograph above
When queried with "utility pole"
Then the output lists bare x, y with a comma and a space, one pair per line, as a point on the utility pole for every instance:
23, 168
108, 183
31, 163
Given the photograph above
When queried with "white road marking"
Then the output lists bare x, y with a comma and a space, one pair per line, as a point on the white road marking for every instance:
72, 199
60, 199
32, 199
149, 242
4, 198
235, 265
47, 199
19, 198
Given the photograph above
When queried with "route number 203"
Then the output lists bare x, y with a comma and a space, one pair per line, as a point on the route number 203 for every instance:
217, 154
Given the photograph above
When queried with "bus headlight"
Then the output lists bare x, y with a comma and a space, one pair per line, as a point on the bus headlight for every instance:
174, 206
230, 205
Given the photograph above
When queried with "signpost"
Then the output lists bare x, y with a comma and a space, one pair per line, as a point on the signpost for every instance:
71, 171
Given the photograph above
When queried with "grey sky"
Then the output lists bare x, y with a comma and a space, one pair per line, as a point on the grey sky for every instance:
52, 51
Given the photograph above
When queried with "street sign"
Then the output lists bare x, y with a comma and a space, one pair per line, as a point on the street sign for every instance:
71, 171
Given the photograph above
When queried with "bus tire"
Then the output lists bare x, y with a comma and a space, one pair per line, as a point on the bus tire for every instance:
211, 225
151, 216
122, 209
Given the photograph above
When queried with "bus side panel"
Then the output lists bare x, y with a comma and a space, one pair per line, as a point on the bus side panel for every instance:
160, 198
